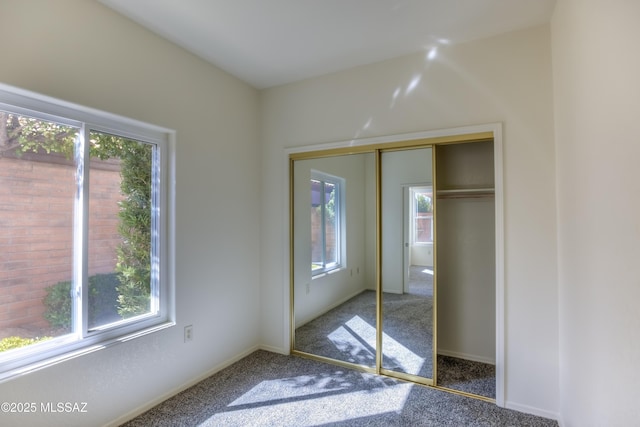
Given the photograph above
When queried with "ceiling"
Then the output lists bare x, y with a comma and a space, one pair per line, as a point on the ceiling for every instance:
272, 42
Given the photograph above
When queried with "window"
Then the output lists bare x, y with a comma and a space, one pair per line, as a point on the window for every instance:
326, 214
84, 228
422, 214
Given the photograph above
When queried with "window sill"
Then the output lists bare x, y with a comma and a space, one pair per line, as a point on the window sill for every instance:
327, 273
81, 351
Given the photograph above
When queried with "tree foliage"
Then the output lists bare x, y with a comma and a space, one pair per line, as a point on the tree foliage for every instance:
134, 254
21, 134
330, 206
101, 298
329, 203
424, 203
14, 342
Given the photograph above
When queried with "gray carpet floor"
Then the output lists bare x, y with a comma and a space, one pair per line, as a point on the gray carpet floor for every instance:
268, 389
468, 376
347, 333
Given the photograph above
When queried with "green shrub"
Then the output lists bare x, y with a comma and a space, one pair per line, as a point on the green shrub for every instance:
57, 304
134, 254
10, 343
103, 299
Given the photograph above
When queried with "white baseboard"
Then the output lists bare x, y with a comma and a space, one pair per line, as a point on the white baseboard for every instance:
533, 411
273, 349
145, 407
471, 357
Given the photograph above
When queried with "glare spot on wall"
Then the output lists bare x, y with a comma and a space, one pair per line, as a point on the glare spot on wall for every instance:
413, 84
432, 53
394, 97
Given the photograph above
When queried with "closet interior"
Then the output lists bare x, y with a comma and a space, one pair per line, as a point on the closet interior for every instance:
466, 266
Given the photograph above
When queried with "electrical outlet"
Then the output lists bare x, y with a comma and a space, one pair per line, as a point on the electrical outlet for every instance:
188, 333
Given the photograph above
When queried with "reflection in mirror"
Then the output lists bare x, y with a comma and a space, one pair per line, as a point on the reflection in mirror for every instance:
407, 262
333, 255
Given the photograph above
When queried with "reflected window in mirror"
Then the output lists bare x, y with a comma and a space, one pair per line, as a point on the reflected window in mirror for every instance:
422, 215
326, 225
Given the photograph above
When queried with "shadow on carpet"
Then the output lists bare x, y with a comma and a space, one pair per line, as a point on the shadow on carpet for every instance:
268, 389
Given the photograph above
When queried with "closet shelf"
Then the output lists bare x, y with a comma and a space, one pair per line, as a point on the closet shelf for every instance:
465, 193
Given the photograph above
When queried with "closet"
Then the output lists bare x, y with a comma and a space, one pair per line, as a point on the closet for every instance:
465, 266
393, 259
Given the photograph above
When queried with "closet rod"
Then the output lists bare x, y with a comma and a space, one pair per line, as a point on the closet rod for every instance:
465, 193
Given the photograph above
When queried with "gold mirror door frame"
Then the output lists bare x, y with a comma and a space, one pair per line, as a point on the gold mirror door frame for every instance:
333, 244
356, 339
407, 279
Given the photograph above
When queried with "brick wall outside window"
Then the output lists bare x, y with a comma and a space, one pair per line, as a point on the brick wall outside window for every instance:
36, 233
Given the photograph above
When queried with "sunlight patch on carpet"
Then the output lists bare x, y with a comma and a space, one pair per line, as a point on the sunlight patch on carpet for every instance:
357, 340
300, 386
340, 405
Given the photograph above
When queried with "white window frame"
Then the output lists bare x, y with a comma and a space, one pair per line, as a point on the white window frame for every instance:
339, 200
83, 340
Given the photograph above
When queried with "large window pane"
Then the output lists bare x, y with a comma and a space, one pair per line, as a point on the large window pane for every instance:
325, 222
330, 220
37, 191
317, 240
83, 219
120, 229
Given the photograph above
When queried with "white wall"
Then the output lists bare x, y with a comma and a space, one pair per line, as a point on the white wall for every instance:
596, 69
422, 254
466, 278
82, 52
503, 79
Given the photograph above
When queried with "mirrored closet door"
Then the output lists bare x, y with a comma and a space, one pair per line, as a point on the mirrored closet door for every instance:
393, 260
407, 271
333, 257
